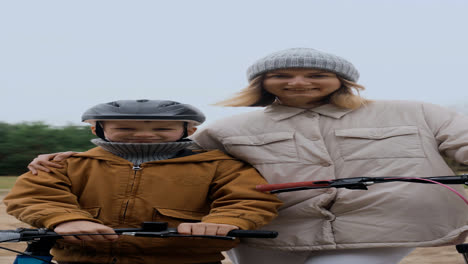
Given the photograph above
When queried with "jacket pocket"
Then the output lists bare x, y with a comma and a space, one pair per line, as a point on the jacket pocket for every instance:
379, 143
94, 211
264, 148
175, 216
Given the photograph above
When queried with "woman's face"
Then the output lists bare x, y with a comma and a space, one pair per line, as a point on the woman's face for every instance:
301, 87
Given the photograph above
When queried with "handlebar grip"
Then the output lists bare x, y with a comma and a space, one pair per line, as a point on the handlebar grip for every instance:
457, 179
38, 232
253, 233
462, 248
9, 236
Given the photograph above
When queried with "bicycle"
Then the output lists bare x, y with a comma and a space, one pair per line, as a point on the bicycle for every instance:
40, 241
361, 183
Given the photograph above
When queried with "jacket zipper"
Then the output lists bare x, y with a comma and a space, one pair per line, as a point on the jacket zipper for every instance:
135, 169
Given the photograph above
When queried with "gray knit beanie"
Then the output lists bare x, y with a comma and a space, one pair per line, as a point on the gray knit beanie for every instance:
303, 58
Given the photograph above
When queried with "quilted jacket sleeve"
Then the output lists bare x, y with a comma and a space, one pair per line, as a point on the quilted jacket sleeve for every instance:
450, 131
207, 138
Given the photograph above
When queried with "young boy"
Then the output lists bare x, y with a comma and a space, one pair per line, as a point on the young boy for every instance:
143, 170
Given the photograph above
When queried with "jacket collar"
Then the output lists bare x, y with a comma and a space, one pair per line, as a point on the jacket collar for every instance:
202, 155
280, 112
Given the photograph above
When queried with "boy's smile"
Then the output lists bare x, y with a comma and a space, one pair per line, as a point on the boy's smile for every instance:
127, 131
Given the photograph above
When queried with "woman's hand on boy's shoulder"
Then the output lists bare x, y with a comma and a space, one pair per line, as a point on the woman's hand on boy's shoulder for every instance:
207, 229
85, 227
50, 160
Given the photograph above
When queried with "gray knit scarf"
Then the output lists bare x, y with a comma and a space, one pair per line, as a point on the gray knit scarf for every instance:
138, 153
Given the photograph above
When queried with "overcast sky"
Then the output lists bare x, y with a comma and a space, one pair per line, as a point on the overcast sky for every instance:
58, 58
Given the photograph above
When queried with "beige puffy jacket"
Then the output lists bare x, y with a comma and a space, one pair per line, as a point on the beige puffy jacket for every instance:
383, 138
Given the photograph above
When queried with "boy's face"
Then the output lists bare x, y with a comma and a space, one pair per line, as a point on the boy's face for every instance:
144, 131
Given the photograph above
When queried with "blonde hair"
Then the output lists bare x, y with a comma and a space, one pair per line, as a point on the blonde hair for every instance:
255, 95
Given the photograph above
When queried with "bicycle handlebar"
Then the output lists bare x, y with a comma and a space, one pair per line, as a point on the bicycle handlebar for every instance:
357, 183
148, 229
40, 241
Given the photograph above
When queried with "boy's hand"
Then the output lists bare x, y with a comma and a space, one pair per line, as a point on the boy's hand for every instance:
82, 227
47, 160
208, 229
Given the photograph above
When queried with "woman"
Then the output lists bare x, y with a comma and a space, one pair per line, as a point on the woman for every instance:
315, 126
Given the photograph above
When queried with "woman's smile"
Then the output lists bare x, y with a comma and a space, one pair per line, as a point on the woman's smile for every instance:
300, 89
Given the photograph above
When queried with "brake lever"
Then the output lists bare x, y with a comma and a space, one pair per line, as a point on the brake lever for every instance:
357, 183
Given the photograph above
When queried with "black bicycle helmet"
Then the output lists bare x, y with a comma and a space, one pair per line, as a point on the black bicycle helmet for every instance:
143, 110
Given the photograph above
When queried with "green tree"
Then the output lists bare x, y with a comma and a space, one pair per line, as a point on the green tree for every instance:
20, 143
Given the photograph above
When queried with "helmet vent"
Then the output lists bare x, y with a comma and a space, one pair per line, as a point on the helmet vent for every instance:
142, 100
114, 104
168, 104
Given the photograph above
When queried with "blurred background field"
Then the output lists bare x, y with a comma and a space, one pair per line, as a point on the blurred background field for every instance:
6, 182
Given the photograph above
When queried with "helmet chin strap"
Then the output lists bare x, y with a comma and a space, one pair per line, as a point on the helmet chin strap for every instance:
100, 131
183, 138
